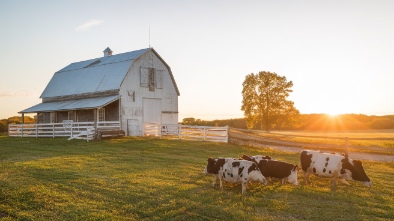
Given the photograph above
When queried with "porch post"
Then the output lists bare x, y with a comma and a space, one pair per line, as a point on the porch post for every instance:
23, 121
95, 112
120, 116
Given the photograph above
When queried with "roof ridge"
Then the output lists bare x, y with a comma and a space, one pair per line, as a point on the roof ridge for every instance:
96, 65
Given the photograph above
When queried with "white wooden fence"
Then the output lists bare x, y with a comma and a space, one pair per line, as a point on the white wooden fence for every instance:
186, 132
86, 130
74, 130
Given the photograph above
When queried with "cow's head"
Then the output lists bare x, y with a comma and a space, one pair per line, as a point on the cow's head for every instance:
292, 178
214, 165
255, 174
356, 169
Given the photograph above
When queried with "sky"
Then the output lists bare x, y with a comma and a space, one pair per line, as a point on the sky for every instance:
339, 54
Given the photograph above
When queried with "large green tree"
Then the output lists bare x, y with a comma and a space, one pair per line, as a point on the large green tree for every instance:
265, 103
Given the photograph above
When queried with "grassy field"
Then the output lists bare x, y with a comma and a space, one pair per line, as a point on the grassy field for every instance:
152, 179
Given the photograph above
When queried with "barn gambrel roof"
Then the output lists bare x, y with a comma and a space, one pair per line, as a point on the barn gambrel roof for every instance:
92, 76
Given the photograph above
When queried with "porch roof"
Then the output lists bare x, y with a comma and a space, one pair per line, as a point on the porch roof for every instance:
89, 103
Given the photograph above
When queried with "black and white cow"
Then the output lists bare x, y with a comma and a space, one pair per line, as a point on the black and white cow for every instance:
275, 169
234, 171
213, 167
334, 166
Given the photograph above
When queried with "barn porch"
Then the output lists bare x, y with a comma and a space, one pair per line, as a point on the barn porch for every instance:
98, 115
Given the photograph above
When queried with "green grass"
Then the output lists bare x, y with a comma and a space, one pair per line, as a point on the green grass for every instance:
152, 179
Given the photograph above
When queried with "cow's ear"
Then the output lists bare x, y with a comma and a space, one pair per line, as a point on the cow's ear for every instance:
246, 157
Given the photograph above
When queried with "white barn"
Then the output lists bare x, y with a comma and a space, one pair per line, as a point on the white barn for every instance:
131, 88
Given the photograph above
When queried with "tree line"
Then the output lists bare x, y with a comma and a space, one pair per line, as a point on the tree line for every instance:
309, 122
14, 120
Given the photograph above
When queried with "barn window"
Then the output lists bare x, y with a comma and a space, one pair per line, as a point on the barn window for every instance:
151, 79
101, 114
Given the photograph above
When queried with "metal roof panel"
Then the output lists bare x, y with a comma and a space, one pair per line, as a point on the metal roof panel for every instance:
88, 103
90, 76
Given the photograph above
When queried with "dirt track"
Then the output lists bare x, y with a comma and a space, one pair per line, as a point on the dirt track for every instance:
238, 137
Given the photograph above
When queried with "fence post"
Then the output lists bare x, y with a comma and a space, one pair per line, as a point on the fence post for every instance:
346, 145
180, 132
36, 130
227, 129
205, 133
53, 130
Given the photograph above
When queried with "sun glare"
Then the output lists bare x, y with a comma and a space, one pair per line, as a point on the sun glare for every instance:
333, 114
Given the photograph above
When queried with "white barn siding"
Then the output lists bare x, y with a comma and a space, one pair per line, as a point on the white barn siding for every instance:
135, 111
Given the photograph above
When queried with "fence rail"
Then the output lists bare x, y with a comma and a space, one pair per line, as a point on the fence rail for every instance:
66, 129
186, 132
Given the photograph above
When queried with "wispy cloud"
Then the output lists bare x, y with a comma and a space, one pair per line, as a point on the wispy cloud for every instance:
91, 23
17, 93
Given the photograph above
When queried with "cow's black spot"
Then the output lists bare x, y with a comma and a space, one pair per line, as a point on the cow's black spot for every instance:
224, 174
326, 164
240, 170
324, 170
305, 160
329, 172
314, 170
327, 159
252, 168
236, 164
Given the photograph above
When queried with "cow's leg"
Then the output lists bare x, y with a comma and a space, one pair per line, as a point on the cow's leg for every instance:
333, 183
306, 178
214, 180
283, 181
243, 187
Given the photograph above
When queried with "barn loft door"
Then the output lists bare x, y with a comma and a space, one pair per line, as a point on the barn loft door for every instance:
152, 110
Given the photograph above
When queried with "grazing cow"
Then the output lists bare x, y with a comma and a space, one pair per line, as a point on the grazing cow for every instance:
214, 166
334, 166
276, 169
234, 171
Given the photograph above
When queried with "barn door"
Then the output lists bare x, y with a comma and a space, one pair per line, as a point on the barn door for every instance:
133, 127
152, 110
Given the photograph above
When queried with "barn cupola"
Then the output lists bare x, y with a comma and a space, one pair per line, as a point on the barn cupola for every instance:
107, 52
